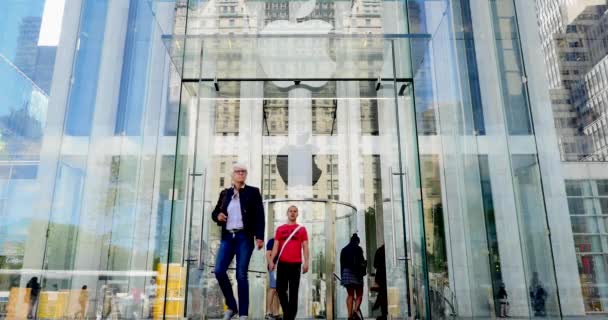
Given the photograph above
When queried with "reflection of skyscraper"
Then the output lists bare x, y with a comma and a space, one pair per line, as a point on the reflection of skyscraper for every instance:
27, 45
35, 62
573, 33
45, 63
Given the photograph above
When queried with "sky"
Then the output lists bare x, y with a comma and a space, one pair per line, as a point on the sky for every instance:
51, 23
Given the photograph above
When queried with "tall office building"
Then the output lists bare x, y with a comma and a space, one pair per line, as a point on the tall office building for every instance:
574, 42
472, 152
573, 35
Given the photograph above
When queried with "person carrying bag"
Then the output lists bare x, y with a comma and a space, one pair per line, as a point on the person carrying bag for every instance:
292, 260
353, 268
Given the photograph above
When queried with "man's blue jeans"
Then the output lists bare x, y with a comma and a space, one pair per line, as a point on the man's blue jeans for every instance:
241, 245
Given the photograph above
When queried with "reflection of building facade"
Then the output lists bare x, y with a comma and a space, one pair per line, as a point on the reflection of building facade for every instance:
574, 42
573, 36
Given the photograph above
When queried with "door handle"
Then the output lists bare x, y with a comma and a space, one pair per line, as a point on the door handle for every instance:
202, 225
393, 236
188, 199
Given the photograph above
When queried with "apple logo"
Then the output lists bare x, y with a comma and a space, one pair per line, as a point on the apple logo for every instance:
292, 50
302, 53
302, 149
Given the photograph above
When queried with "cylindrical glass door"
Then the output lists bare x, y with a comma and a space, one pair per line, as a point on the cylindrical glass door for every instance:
329, 225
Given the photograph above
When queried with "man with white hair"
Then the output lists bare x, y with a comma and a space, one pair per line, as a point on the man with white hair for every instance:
240, 213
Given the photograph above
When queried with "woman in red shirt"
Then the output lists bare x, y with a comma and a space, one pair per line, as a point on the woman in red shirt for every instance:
291, 243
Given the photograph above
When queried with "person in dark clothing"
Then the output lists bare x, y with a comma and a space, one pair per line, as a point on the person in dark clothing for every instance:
291, 251
538, 296
352, 270
272, 299
34, 287
503, 301
240, 213
382, 297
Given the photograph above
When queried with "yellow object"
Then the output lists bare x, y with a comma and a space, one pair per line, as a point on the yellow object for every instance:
18, 303
394, 307
176, 291
53, 304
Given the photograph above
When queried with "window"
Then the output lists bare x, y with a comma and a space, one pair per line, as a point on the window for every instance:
588, 204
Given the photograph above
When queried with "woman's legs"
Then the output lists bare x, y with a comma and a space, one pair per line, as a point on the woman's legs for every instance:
274, 306
349, 301
359, 294
269, 300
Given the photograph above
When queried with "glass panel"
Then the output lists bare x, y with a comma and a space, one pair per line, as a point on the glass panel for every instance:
508, 55
533, 227
602, 187
412, 217
581, 206
339, 154
345, 226
604, 206
86, 68
588, 244
578, 188
585, 224
84, 189
593, 271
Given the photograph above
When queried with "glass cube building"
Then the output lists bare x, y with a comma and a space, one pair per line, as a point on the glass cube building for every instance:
465, 140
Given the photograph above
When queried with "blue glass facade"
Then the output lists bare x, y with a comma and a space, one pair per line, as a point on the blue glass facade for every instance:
467, 137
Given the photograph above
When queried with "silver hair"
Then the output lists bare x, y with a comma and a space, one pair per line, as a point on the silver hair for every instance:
236, 166
239, 165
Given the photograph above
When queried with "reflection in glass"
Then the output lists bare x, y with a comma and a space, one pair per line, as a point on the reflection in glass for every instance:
536, 249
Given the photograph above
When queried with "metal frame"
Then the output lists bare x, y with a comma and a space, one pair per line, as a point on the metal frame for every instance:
330, 243
312, 200
261, 79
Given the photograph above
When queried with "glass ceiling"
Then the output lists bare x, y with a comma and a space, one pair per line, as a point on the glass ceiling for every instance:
312, 58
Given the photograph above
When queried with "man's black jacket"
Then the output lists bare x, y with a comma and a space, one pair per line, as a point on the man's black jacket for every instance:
252, 210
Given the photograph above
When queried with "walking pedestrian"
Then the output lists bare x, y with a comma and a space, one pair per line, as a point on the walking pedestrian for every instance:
240, 213
292, 252
353, 268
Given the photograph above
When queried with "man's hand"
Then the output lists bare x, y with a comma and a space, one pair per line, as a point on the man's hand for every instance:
271, 266
259, 243
222, 217
305, 267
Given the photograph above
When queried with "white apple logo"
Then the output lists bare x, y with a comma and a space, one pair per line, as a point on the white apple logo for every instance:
296, 57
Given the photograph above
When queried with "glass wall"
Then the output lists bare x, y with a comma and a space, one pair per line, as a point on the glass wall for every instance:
88, 187
470, 136
488, 165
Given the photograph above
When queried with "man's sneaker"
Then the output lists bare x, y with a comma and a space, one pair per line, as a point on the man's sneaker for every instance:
243, 318
228, 314
269, 317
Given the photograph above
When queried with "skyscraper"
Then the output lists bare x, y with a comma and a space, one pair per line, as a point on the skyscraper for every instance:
572, 33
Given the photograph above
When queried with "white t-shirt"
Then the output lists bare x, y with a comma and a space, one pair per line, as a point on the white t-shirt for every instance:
235, 218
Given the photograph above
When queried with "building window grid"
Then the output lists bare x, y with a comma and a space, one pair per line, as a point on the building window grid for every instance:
588, 203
